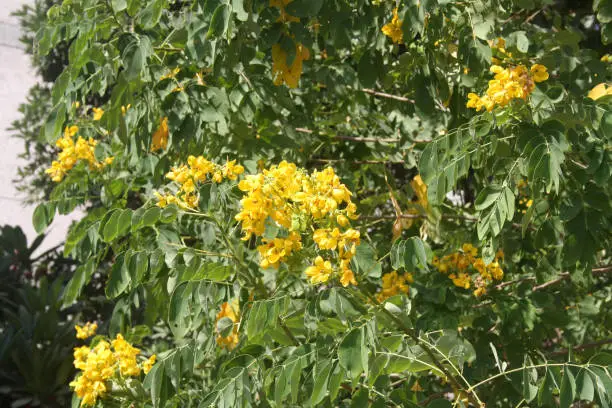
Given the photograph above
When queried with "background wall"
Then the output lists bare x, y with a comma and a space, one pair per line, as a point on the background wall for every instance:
16, 78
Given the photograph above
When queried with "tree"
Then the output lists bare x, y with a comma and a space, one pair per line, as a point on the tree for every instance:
338, 202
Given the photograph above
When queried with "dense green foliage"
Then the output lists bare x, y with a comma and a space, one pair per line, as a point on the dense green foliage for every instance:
530, 177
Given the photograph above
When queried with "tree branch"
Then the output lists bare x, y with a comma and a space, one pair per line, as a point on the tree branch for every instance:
387, 95
582, 347
354, 138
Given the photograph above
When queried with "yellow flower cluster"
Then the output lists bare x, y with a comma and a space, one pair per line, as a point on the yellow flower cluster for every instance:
84, 332
160, 136
600, 91
283, 73
284, 17
460, 265
509, 83
231, 310
97, 113
273, 251
297, 201
420, 191
524, 201
99, 364
71, 152
498, 46
606, 58
393, 29
196, 171
394, 284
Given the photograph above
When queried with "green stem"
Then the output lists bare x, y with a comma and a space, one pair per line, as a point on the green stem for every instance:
536, 366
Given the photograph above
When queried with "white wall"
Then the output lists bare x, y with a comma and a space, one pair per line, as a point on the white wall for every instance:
16, 78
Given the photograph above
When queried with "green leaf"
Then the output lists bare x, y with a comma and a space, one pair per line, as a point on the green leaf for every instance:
368, 68
153, 382
118, 5
168, 214
547, 389
151, 216
351, 351
119, 278
225, 326
43, 216
521, 41
410, 254
497, 204
585, 389
219, 22
321, 378
75, 286
111, 227
603, 385
238, 8
606, 124
138, 267
530, 379
304, 8
150, 15
365, 261
487, 197
568, 389
335, 379
52, 129
135, 56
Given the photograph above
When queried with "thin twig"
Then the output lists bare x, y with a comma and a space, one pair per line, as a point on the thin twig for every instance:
168, 49
582, 347
566, 275
387, 95
358, 161
354, 138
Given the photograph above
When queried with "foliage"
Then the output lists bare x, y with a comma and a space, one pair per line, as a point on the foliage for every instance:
271, 284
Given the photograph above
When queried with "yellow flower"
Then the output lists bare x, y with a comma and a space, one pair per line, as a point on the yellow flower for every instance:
320, 271
86, 331
97, 366
126, 354
148, 364
393, 29
200, 79
480, 291
416, 387
124, 109
284, 17
539, 73
420, 190
231, 170
165, 200
231, 310
326, 238
347, 278
97, 113
160, 137
279, 249
71, 152
170, 74
281, 72
394, 284
508, 84
295, 201
600, 91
